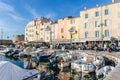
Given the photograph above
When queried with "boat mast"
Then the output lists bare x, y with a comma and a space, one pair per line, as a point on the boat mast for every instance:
1, 35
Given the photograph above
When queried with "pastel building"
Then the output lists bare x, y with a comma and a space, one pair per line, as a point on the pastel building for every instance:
100, 23
68, 29
30, 31
54, 32
35, 30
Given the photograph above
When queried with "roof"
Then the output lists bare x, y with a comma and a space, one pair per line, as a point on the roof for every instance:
100, 6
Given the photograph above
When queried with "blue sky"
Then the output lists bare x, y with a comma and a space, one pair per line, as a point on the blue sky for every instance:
15, 14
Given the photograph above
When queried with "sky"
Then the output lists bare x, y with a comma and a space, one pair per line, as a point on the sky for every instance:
15, 14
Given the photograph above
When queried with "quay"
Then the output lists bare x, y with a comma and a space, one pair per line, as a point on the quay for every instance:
115, 56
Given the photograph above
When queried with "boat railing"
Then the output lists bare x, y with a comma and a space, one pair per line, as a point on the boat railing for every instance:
32, 76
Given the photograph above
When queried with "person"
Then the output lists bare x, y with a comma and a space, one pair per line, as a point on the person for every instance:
61, 60
109, 49
95, 47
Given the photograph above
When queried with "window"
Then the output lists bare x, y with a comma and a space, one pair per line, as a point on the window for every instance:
62, 36
106, 11
106, 22
96, 24
62, 30
86, 16
73, 36
96, 33
96, 13
86, 34
36, 33
107, 33
86, 25
118, 14
72, 21
119, 5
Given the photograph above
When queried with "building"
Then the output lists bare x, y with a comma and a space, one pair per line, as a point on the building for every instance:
97, 25
36, 30
18, 38
68, 29
74, 29
30, 31
100, 24
54, 32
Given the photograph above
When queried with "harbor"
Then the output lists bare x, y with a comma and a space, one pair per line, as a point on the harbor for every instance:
76, 64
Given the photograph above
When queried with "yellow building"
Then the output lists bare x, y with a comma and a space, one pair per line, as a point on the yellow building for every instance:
100, 23
74, 28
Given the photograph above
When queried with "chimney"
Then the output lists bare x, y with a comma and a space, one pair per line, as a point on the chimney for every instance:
85, 8
113, 1
97, 5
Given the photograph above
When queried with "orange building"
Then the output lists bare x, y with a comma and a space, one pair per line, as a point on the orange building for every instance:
68, 28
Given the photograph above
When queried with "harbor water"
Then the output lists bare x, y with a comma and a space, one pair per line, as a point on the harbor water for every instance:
54, 73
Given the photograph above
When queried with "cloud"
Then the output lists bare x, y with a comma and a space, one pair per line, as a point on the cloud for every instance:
6, 7
15, 17
10, 20
8, 10
32, 11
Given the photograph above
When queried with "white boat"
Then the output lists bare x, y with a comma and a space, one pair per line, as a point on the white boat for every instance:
98, 62
104, 71
4, 50
82, 66
66, 60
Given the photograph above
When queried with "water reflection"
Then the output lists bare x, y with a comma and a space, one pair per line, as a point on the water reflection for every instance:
54, 73
18, 62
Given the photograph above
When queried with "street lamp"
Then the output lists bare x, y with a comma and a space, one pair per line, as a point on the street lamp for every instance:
101, 25
102, 35
1, 35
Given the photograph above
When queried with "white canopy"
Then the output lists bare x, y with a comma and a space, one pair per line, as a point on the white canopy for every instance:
9, 71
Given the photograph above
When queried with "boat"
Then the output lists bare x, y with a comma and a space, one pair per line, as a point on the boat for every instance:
87, 63
99, 62
82, 66
104, 71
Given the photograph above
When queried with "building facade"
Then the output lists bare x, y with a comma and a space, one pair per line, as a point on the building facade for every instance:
101, 23
68, 29
36, 30
30, 31
18, 38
